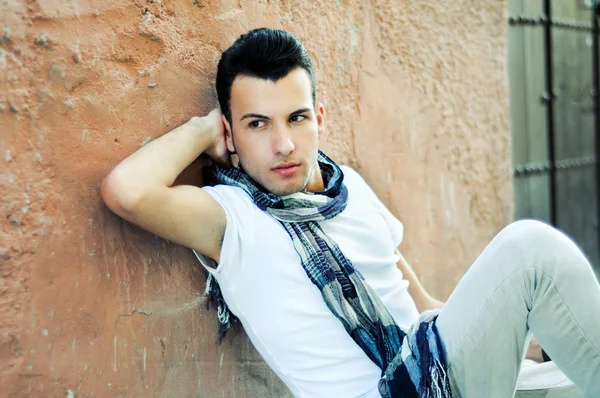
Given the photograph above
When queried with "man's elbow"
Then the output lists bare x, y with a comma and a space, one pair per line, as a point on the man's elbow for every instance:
117, 196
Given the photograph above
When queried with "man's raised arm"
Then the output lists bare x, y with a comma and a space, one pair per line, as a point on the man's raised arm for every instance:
140, 188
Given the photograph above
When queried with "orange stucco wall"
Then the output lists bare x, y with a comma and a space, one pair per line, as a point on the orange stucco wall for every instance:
416, 100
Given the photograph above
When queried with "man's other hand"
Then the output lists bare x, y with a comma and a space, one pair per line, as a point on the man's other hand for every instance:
534, 351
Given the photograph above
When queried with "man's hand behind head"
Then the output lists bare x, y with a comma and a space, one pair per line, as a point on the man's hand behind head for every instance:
218, 150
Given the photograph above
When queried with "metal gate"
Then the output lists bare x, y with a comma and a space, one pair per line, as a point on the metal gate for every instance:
555, 115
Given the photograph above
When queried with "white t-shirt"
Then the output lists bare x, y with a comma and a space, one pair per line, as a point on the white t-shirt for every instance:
282, 311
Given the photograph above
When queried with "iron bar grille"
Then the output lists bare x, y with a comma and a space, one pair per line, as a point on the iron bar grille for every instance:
548, 97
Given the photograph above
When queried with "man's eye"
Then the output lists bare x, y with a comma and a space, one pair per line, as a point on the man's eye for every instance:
297, 118
256, 124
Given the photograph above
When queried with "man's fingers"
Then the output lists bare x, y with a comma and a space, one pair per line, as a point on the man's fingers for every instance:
224, 161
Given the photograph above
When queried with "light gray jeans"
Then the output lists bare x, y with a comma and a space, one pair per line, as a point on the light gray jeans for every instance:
530, 279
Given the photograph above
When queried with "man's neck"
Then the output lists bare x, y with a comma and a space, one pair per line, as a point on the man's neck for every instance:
315, 182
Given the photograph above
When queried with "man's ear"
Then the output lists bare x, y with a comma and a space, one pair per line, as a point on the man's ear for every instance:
228, 135
320, 111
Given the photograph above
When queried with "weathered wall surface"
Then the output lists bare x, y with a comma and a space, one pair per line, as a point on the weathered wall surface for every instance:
416, 99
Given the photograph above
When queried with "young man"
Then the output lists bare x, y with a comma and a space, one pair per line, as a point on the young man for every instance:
289, 236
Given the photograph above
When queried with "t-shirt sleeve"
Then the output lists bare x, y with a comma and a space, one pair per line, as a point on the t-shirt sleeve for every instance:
395, 226
238, 212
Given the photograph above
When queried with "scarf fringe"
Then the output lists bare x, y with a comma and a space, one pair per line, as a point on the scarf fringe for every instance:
434, 380
215, 297
437, 384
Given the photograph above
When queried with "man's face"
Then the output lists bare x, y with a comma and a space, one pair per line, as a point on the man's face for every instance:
276, 132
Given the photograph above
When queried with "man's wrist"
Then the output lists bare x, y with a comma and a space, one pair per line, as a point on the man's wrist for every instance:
435, 304
204, 136
210, 128
204, 128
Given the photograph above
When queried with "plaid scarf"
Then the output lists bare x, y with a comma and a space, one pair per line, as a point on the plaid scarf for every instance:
412, 362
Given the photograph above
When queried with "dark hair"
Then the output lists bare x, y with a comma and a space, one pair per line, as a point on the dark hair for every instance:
264, 53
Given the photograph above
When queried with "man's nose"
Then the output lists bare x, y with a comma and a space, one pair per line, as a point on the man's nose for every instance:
282, 141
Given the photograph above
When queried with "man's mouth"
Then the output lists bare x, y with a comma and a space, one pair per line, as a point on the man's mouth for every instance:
286, 169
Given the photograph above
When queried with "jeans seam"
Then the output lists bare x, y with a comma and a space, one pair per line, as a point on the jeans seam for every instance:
570, 313
450, 360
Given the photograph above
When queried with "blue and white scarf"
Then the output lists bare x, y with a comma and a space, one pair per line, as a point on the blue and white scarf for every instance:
412, 363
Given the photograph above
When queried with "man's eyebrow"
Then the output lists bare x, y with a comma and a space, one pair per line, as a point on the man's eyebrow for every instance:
299, 111
256, 115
